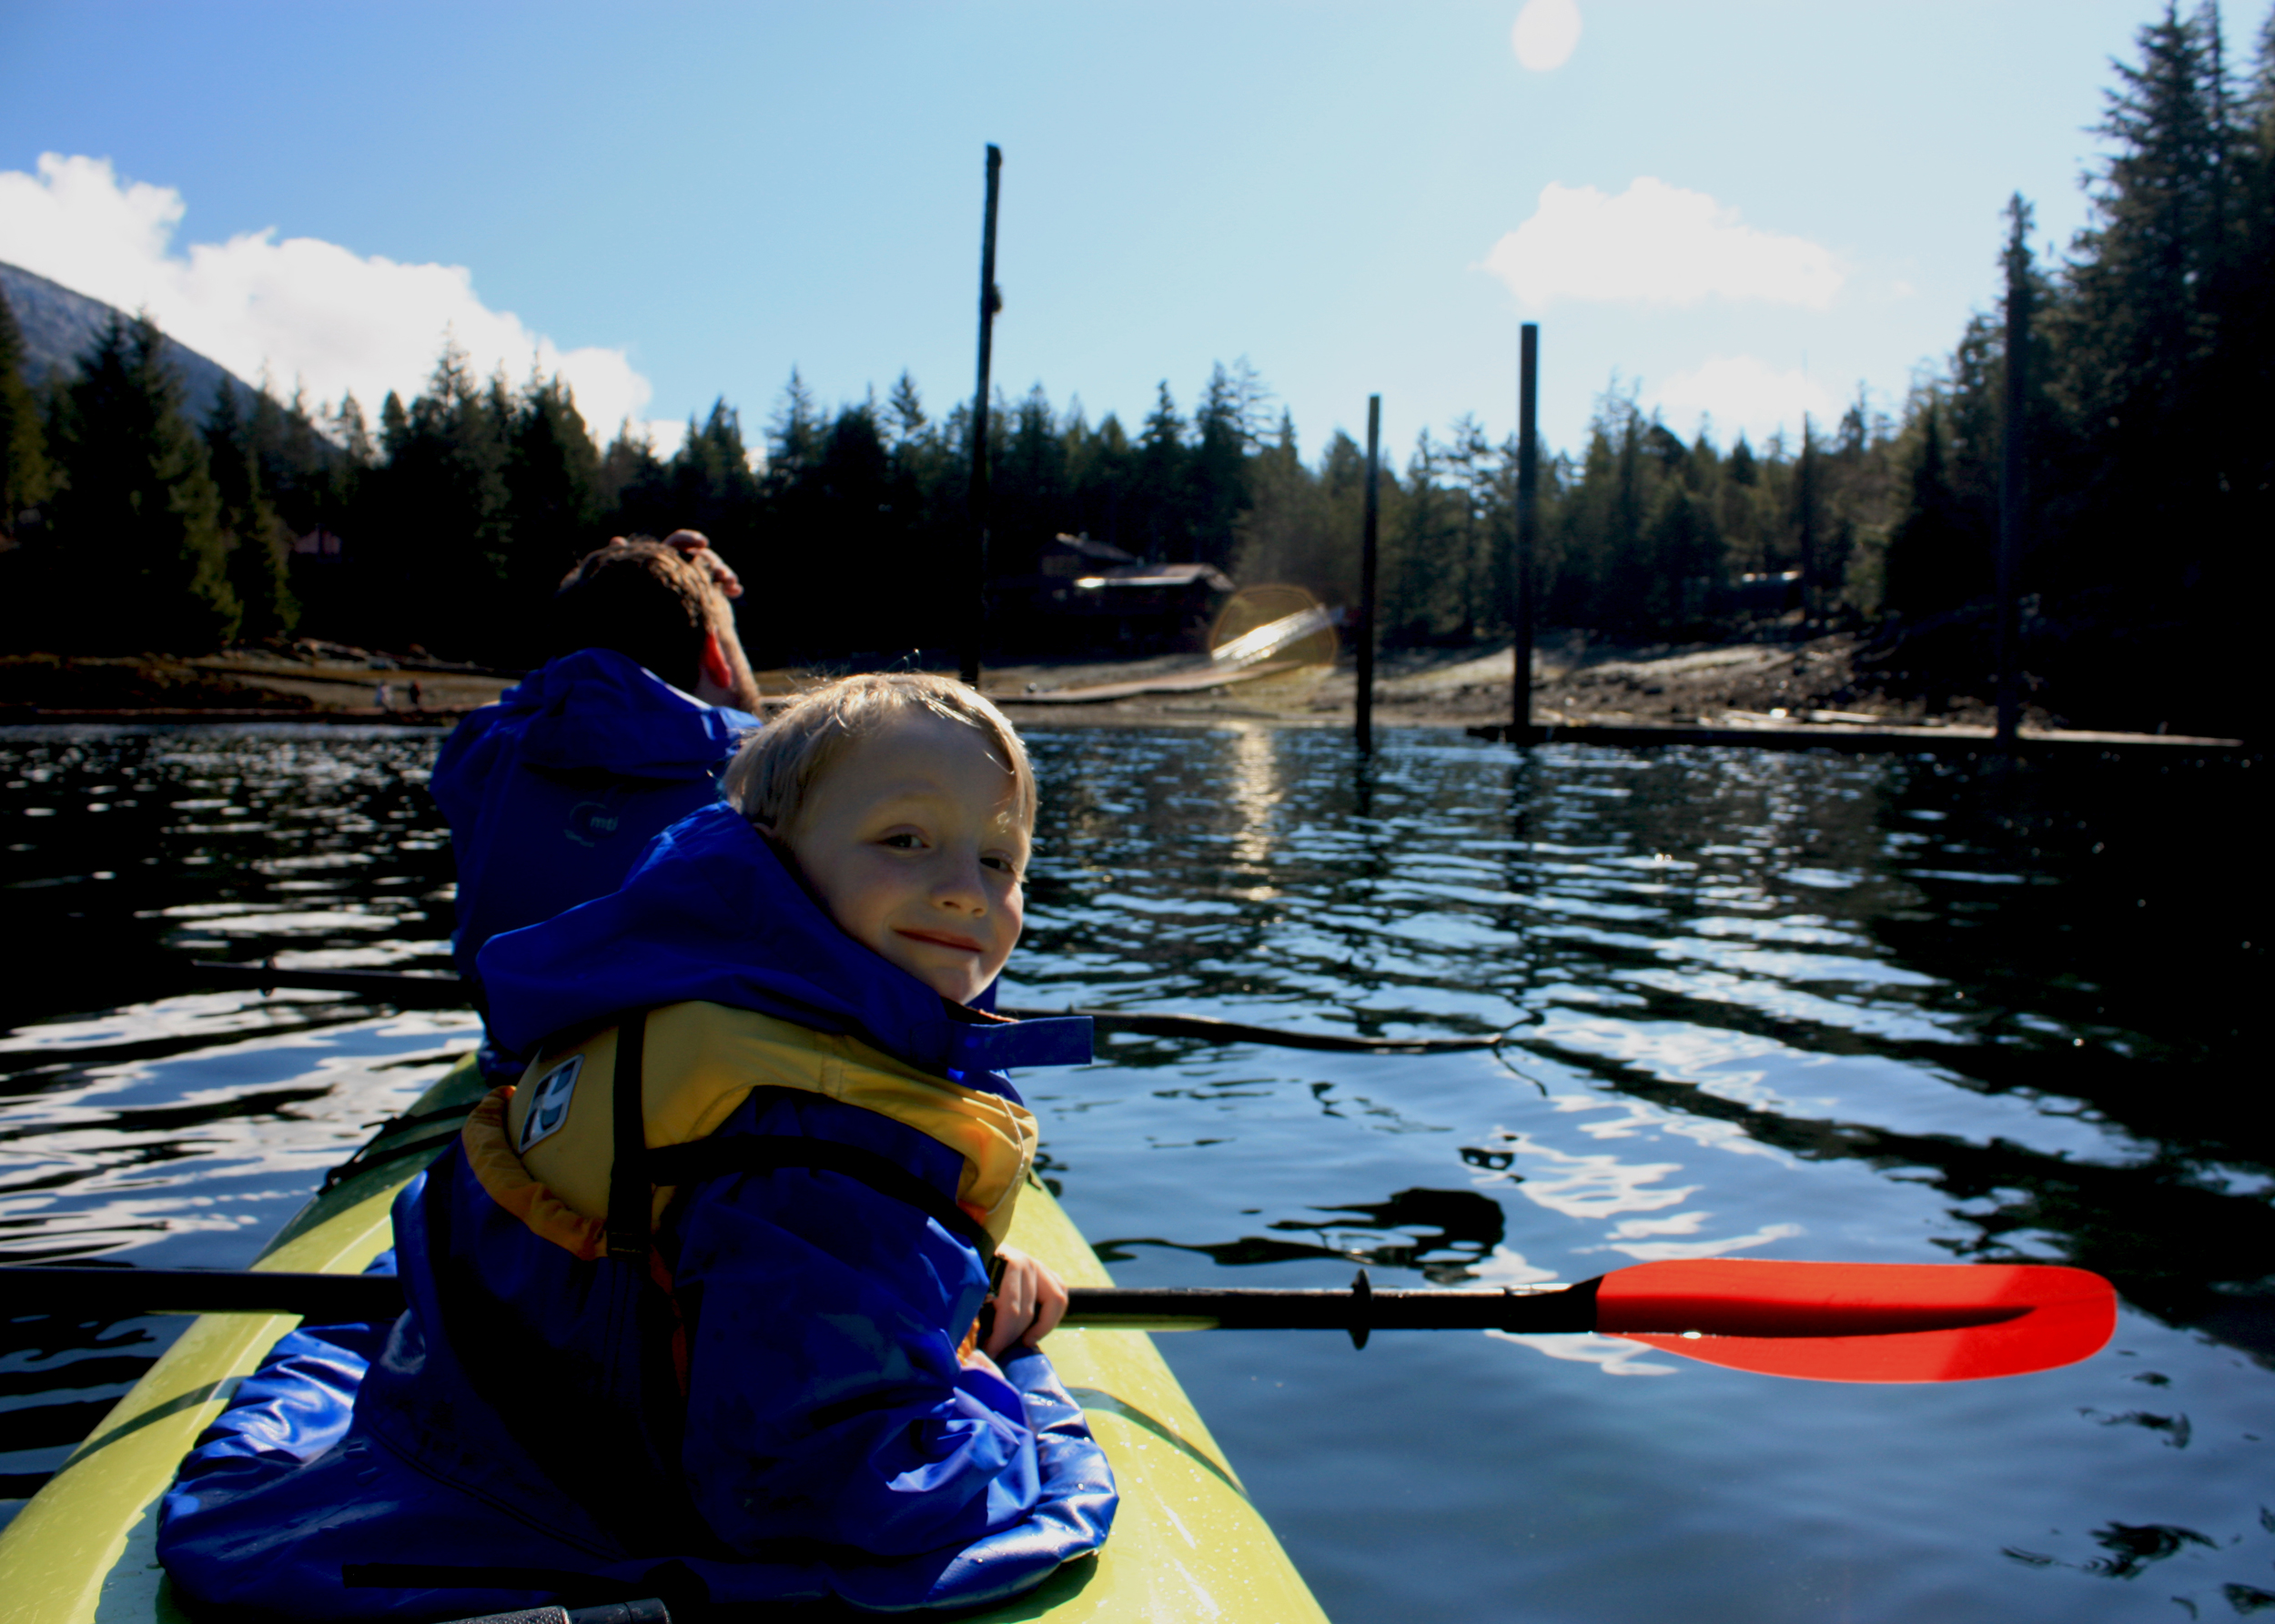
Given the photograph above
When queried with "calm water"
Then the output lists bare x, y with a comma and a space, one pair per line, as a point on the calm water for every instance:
1761, 1005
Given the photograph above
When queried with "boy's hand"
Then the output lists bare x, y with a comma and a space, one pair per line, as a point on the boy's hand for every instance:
1029, 1303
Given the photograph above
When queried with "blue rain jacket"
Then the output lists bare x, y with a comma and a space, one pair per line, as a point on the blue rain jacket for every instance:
772, 1409
552, 792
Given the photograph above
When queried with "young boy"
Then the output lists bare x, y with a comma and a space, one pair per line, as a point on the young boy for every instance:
692, 1311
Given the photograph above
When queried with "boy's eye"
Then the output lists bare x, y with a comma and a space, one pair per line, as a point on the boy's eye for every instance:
1002, 865
903, 841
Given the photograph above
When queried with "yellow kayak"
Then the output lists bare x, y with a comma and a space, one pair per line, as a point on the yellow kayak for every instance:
1187, 1544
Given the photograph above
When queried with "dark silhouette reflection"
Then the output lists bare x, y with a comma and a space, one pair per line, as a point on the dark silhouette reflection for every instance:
2132, 1547
1452, 1231
2175, 1428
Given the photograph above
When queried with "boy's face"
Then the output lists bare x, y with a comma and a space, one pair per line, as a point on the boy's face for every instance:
913, 842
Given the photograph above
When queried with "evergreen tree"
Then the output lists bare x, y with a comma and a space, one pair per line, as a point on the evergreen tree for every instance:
1102, 472
1622, 593
628, 478
907, 410
1160, 482
1807, 518
394, 425
1743, 543
2139, 327
254, 539
878, 587
1216, 466
551, 476
1680, 552
1935, 558
713, 489
794, 432
24, 480
136, 525
1417, 581
352, 433
1030, 495
1281, 530
296, 465
430, 563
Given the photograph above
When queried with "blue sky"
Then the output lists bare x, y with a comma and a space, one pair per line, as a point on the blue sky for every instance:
1756, 207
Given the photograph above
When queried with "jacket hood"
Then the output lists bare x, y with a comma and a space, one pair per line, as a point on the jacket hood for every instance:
710, 912
595, 709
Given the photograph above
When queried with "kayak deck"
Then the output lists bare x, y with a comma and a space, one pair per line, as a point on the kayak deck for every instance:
1186, 1542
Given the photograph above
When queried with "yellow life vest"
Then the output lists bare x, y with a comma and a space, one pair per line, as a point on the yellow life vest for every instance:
701, 1061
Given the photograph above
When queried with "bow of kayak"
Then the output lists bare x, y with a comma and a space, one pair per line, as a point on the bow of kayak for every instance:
1186, 1542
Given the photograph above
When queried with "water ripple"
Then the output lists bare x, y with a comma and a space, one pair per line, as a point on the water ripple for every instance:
1758, 1004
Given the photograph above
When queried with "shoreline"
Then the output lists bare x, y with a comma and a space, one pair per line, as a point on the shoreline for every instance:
1781, 694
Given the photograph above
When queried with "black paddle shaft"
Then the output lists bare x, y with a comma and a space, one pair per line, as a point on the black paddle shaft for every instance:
382, 986
450, 992
1358, 1310
41, 1288
323, 1299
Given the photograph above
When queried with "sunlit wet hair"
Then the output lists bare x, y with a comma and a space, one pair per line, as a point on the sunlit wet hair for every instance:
775, 771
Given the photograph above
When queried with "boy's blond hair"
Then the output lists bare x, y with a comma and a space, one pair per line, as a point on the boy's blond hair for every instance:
771, 774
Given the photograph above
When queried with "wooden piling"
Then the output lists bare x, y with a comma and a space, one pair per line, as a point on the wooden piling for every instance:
990, 301
1367, 576
1521, 568
2013, 470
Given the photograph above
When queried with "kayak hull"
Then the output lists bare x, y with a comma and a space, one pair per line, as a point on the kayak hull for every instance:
1186, 1542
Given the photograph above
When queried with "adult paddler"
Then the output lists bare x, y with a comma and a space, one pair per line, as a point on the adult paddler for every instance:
552, 792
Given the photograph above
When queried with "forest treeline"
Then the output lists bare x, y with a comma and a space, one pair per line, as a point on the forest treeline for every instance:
2148, 446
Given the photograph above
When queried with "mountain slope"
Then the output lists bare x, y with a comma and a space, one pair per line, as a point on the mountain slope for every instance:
60, 326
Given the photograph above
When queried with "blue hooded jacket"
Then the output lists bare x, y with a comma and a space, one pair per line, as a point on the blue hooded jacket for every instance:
771, 1408
553, 792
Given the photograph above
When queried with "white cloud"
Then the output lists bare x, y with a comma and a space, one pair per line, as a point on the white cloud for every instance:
1742, 392
307, 312
1545, 32
1656, 245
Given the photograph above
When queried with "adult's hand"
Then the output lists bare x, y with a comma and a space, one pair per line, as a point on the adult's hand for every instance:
696, 549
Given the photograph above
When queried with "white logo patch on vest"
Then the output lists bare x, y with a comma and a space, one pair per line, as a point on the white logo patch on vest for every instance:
549, 1107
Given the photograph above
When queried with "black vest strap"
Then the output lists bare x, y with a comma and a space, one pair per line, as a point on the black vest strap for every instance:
768, 1153
630, 1182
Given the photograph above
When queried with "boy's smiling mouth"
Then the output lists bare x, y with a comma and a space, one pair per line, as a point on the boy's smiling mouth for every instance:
939, 939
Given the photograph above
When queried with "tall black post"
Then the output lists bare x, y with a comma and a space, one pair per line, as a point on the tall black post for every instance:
990, 301
1520, 579
1804, 487
1366, 575
2012, 514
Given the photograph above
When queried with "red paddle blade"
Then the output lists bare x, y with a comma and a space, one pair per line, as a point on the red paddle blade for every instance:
1863, 1322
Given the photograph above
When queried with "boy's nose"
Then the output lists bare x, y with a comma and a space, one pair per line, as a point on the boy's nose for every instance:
963, 886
